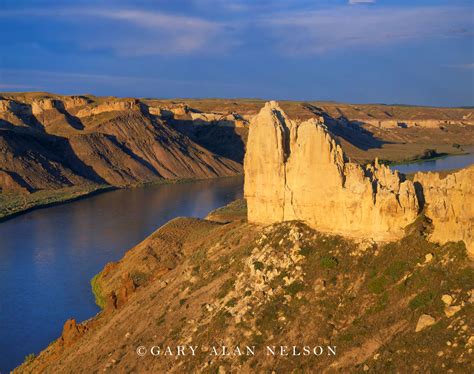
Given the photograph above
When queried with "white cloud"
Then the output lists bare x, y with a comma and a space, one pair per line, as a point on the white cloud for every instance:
462, 66
134, 32
355, 2
7, 86
159, 33
319, 31
138, 32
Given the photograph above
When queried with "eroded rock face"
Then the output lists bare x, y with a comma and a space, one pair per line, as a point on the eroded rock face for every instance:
296, 171
8, 183
423, 123
71, 332
449, 202
41, 105
110, 106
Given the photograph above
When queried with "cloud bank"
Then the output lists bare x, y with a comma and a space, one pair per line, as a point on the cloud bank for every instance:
135, 32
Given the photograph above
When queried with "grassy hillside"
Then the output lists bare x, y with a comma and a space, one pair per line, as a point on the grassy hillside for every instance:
205, 284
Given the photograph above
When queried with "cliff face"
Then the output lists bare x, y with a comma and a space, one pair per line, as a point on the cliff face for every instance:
55, 142
449, 204
296, 171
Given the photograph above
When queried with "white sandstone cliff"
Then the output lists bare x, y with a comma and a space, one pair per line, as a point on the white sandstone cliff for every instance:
297, 171
449, 203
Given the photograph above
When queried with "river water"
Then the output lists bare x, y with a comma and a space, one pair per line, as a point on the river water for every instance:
440, 164
48, 256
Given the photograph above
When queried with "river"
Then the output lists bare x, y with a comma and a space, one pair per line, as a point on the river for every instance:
48, 256
439, 164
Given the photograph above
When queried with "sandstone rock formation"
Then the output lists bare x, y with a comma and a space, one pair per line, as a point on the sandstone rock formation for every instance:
219, 119
110, 106
295, 170
50, 142
449, 202
424, 123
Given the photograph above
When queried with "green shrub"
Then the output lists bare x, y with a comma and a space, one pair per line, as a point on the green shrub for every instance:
139, 278
294, 288
377, 285
396, 270
328, 262
422, 300
29, 358
96, 290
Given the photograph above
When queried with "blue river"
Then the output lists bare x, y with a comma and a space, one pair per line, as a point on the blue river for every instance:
48, 256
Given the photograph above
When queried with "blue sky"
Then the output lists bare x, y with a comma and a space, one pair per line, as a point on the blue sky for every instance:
359, 51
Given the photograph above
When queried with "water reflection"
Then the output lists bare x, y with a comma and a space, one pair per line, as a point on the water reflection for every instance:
48, 256
446, 163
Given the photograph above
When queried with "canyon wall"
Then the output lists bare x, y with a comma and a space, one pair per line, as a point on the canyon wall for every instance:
296, 171
54, 142
449, 203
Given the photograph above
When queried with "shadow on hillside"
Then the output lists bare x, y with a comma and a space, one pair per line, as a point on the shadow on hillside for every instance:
226, 141
73, 121
351, 131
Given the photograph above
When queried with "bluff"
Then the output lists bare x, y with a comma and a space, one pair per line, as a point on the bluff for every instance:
52, 142
236, 284
297, 171
449, 203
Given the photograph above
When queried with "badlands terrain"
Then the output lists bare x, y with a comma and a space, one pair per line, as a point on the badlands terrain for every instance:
56, 148
374, 265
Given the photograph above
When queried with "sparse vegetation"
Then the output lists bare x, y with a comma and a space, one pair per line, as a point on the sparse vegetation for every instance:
422, 300
315, 289
328, 262
29, 358
139, 278
12, 204
96, 290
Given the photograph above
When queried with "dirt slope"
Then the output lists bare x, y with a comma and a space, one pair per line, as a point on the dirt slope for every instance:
50, 142
400, 307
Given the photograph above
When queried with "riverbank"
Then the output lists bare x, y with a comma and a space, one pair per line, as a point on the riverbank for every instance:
423, 157
50, 255
15, 204
179, 285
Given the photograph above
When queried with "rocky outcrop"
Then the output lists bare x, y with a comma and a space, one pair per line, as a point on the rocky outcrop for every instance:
219, 119
424, 123
449, 202
41, 105
111, 106
71, 332
55, 142
201, 283
296, 171
73, 102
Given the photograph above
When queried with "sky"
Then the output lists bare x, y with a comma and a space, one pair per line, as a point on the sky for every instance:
416, 52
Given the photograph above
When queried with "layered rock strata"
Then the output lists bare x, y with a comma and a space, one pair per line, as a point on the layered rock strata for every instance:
55, 142
296, 171
449, 203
